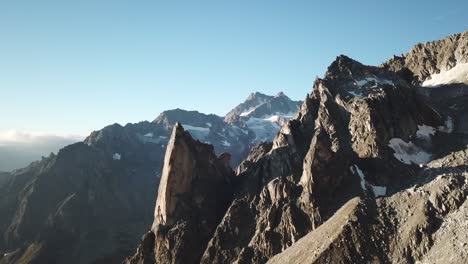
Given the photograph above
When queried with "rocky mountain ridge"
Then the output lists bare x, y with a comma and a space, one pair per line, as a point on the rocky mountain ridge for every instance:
371, 169
57, 210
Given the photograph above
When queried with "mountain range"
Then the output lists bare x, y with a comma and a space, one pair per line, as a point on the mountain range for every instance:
372, 169
90, 202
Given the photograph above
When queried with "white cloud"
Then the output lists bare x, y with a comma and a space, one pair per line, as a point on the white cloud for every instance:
19, 148
10, 137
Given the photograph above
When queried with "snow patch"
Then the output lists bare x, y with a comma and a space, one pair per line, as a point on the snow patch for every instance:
408, 153
355, 169
361, 83
248, 112
264, 130
208, 124
116, 156
356, 94
200, 133
377, 190
425, 132
149, 138
273, 118
458, 74
225, 143
375, 80
195, 128
448, 128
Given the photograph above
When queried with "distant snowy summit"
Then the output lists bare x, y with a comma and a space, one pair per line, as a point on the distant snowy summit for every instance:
263, 114
258, 119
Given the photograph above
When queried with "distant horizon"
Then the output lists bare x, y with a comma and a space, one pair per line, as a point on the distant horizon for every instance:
73, 68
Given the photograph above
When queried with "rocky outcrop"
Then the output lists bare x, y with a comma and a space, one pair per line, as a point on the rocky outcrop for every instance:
426, 59
193, 195
417, 224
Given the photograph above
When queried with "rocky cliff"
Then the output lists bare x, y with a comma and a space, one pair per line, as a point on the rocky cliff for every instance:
371, 169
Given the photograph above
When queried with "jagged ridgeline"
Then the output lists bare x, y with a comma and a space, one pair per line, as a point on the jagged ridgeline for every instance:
372, 169
92, 201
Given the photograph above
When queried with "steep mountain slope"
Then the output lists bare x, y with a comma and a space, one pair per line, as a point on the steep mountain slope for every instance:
66, 199
426, 222
91, 202
369, 140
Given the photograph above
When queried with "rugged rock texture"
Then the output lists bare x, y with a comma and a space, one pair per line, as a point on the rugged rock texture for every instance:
58, 210
371, 169
346, 123
426, 59
425, 223
194, 193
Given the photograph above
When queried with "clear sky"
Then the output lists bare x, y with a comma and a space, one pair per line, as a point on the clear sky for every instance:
70, 67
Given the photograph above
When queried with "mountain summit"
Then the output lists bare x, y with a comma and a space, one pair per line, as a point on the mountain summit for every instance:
263, 114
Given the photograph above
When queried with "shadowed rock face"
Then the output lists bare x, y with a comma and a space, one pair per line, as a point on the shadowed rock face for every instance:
368, 170
194, 193
66, 199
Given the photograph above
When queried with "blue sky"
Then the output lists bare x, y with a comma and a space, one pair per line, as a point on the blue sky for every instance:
70, 67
